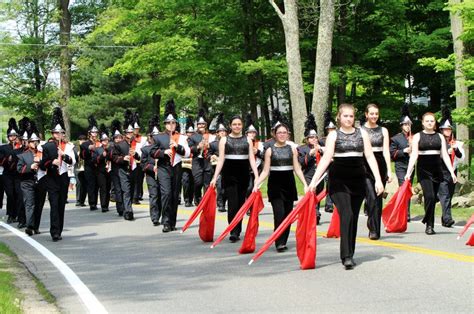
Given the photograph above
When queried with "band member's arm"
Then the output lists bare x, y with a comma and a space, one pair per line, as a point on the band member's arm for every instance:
395, 151
302, 157
446, 159
386, 153
297, 169
46, 161
22, 166
117, 157
193, 146
155, 150
413, 156
85, 152
182, 148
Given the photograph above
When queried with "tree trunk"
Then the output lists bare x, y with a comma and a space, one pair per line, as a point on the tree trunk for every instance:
323, 59
462, 100
293, 59
65, 61
156, 103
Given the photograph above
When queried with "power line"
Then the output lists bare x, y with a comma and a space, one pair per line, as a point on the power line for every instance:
71, 46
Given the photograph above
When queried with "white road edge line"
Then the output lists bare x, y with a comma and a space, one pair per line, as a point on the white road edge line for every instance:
92, 304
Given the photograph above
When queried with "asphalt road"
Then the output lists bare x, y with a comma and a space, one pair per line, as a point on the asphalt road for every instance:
134, 267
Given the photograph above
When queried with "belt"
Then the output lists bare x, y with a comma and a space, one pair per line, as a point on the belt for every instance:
377, 149
281, 168
429, 152
349, 154
240, 157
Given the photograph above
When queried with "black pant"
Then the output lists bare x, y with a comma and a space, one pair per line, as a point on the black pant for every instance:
2, 191
374, 204
114, 174
187, 181
57, 186
81, 188
41, 191
127, 186
170, 184
90, 174
15, 207
104, 182
154, 198
430, 192
202, 175
221, 196
281, 209
236, 198
445, 195
137, 177
348, 207
28, 188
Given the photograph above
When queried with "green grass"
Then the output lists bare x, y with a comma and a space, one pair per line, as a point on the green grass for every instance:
47, 296
9, 300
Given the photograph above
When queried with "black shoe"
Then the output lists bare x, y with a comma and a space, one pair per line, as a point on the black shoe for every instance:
112, 200
36, 231
120, 214
234, 238
156, 223
56, 237
328, 209
128, 216
281, 248
140, 198
136, 202
21, 225
29, 231
104, 210
222, 209
429, 230
408, 219
80, 204
93, 208
197, 201
9, 220
166, 228
348, 263
173, 228
373, 235
448, 224
188, 204
318, 220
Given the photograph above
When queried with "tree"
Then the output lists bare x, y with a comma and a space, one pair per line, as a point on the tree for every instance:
323, 60
65, 61
290, 23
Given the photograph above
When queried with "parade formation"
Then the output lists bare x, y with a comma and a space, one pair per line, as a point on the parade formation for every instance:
343, 164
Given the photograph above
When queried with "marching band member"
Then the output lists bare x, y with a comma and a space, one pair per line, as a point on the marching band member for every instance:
187, 179
101, 158
235, 157
169, 148
309, 156
115, 167
456, 154
201, 165
348, 146
150, 168
137, 175
429, 149
27, 166
379, 139
90, 167
400, 149
57, 154
124, 156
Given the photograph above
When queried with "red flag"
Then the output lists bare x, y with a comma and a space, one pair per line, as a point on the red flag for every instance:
306, 235
471, 240
248, 245
334, 230
468, 224
238, 217
394, 215
207, 220
210, 193
287, 222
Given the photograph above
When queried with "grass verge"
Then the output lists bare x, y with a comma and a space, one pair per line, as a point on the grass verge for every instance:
9, 300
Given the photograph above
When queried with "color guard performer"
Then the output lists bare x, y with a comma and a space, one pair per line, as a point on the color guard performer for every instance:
379, 139
429, 149
348, 146
235, 158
